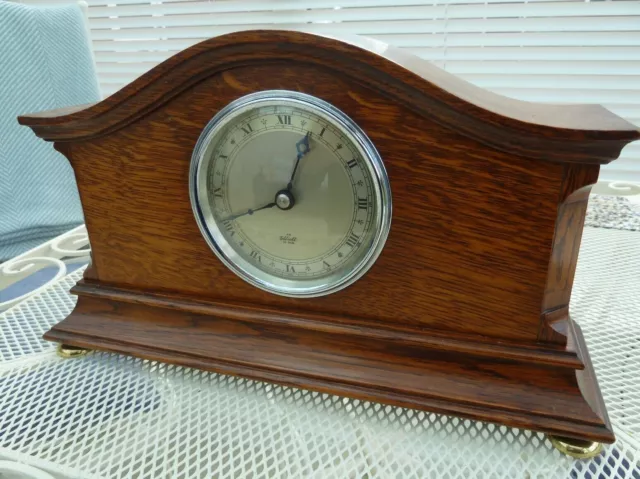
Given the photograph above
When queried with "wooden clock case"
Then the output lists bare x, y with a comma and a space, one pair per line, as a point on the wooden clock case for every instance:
466, 310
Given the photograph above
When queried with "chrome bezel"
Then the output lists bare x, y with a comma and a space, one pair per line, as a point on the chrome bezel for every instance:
214, 237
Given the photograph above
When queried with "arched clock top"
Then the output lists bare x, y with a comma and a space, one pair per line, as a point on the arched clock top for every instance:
559, 133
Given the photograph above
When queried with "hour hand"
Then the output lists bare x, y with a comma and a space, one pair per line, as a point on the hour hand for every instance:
302, 147
249, 212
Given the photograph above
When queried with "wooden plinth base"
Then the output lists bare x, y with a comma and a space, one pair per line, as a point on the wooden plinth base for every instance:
556, 399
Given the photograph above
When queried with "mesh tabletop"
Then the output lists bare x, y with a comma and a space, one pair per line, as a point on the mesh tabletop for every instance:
111, 416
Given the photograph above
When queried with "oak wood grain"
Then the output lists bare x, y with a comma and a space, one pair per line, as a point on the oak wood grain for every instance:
471, 345
463, 215
517, 393
586, 377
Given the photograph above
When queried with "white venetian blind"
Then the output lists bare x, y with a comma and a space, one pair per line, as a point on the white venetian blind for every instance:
538, 50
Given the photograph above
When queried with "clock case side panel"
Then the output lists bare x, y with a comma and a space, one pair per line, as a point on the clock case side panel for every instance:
66, 149
573, 201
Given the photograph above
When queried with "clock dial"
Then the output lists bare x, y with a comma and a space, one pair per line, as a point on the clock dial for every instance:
331, 219
290, 194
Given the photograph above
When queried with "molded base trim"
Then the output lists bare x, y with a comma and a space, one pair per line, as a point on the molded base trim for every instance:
539, 353
507, 391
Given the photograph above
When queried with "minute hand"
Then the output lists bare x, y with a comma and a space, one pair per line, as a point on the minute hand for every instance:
249, 212
302, 146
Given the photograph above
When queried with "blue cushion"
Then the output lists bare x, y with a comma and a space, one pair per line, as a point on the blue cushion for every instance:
45, 63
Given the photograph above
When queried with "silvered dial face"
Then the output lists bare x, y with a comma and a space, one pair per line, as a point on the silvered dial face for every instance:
290, 194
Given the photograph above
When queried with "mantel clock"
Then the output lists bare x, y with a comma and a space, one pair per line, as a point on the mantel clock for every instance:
344, 217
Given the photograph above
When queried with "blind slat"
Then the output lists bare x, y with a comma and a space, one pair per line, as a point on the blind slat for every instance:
628, 111
143, 16
182, 6
583, 82
478, 41
488, 39
548, 54
571, 96
436, 26
532, 68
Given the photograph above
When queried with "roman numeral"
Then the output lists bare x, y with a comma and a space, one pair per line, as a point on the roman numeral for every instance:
284, 119
228, 225
322, 131
217, 192
255, 255
247, 129
290, 268
352, 163
362, 203
326, 265
353, 240
224, 157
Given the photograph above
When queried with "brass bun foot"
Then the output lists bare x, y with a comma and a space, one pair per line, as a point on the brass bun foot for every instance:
578, 448
66, 351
